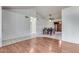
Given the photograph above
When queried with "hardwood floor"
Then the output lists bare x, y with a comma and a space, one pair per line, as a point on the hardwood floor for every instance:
41, 45
70, 47
37, 45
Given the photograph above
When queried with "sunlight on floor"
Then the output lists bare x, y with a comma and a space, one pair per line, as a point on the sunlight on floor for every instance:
31, 50
50, 48
60, 43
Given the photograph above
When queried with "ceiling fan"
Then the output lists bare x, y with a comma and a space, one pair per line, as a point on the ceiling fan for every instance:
51, 17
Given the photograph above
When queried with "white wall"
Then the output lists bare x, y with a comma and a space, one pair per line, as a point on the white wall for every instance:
70, 24
0, 26
58, 20
50, 24
15, 25
40, 24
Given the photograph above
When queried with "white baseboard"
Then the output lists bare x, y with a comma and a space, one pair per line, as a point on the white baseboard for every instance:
14, 40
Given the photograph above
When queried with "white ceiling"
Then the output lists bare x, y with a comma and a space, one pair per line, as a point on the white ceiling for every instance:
44, 11
56, 11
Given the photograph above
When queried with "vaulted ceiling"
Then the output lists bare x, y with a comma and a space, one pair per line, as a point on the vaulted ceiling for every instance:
43, 11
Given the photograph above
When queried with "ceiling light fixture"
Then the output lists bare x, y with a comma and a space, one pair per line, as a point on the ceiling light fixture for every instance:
50, 17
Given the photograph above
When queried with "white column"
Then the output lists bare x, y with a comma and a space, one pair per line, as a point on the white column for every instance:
0, 26
33, 25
